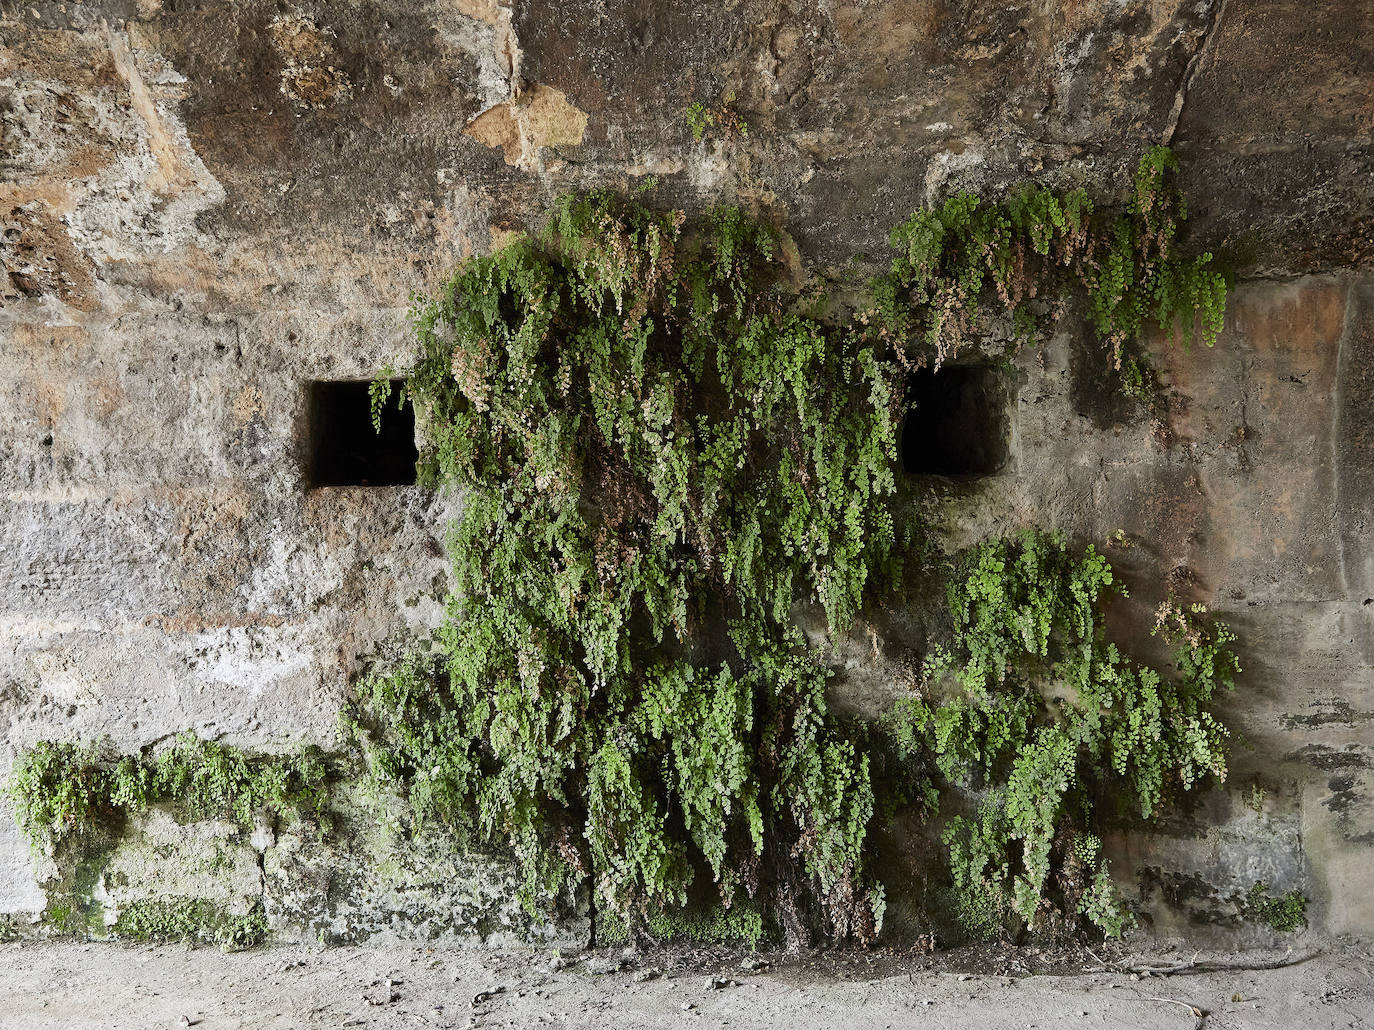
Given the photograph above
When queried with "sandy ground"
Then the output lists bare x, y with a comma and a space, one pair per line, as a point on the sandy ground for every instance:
381, 986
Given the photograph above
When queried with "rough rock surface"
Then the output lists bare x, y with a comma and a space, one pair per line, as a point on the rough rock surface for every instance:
207, 205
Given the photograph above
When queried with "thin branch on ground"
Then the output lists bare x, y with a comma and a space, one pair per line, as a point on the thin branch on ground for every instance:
1193, 966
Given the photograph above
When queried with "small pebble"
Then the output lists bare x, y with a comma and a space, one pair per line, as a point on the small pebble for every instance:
487, 995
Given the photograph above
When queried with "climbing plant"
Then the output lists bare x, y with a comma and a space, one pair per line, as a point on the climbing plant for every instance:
1045, 718
662, 455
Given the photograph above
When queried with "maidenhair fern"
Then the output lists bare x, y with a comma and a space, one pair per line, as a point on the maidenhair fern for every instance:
1039, 712
1032, 247
63, 788
660, 458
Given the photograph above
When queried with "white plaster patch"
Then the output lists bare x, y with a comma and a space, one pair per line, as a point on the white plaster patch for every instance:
30, 628
251, 659
290, 575
60, 677
708, 169
20, 872
654, 163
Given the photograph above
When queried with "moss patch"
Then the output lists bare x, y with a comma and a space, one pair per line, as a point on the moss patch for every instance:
192, 920
1284, 913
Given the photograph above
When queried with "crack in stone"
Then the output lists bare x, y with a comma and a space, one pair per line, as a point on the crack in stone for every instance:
1209, 37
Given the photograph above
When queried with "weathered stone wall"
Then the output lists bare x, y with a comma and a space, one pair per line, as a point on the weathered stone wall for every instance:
207, 205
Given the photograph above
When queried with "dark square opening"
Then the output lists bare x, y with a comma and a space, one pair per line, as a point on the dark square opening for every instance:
344, 448
957, 423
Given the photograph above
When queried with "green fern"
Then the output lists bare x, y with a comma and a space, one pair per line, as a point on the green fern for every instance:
661, 457
63, 788
1040, 710
1034, 246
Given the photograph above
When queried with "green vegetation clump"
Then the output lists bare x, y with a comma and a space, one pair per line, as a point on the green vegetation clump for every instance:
1285, 913
661, 457
1031, 248
1042, 717
192, 921
710, 924
64, 788
705, 120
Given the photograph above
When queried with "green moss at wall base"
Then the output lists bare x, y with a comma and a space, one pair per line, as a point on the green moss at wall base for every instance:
1284, 913
191, 920
706, 925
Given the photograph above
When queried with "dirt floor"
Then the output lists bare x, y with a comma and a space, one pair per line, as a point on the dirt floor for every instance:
381, 985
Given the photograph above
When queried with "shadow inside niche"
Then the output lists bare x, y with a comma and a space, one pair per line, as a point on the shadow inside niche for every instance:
345, 449
958, 423
1095, 386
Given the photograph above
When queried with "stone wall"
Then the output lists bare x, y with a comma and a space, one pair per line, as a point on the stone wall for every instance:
207, 205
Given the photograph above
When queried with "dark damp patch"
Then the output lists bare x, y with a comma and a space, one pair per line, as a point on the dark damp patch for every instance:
1319, 756
1189, 893
1337, 711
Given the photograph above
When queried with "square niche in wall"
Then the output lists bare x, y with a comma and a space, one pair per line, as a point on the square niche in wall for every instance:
959, 422
343, 447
